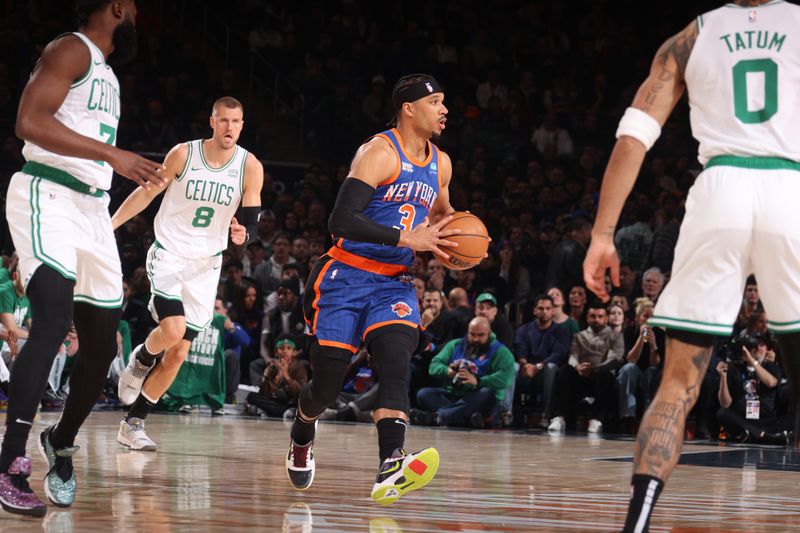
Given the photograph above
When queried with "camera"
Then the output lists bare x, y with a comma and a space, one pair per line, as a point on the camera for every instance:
732, 349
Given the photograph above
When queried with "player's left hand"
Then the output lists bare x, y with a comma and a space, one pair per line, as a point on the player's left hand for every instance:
238, 232
602, 256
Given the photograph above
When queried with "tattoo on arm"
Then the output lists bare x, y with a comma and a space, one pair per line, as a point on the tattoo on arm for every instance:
679, 47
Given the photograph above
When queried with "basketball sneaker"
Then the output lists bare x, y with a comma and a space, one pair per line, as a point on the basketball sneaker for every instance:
16, 495
557, 424
403, 473
60, 484
131, 434
300, 465
132, 378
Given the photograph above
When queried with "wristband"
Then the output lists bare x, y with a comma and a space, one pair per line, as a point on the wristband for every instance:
639, 125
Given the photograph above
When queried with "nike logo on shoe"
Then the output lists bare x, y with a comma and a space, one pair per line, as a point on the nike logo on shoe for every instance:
21, 421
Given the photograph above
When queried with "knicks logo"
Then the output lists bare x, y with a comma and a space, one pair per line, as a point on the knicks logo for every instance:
401, 309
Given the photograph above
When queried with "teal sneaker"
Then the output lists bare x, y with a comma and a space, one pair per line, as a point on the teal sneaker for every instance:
59, 483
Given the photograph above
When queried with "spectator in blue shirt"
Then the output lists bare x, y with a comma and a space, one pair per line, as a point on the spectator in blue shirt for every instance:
233, 341
541, 348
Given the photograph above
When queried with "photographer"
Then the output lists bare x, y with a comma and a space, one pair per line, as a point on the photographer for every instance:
475, 372
747, 392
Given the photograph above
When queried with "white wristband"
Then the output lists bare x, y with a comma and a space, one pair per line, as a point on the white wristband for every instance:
639, 125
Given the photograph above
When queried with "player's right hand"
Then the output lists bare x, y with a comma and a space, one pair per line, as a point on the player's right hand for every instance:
428, 237
602, 256
138, 169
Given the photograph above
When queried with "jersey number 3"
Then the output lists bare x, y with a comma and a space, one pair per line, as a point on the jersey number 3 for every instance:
408, 212
769, 69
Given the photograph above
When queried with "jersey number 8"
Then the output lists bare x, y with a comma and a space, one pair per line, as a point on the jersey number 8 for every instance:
202, 217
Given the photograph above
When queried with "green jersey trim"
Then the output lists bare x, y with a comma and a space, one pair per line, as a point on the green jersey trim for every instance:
180, 176
56, 175
223, 167
36, 234
115, 303
197, 328
758, 163
241, 173
690, 325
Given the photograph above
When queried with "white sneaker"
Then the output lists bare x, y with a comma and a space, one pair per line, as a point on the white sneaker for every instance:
132, 378
595, 426
131, 434
557, 424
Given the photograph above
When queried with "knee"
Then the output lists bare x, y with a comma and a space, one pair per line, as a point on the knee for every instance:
173, 329
174, 358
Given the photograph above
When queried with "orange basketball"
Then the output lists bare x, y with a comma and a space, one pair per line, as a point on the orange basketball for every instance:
473, 241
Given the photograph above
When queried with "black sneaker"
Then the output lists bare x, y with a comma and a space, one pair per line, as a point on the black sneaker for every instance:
476, 420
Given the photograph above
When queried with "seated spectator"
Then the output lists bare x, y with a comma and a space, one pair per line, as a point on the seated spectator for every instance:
565, 265
486, 306
475, 372
559, 316
616, 318
281, 381
249, 313
286, 319
747, 392
751, 303
577, 305
268, 273
234, 340
460, 311
643, 345
438, 324
541, 348
594, 355
290, 271
652, 283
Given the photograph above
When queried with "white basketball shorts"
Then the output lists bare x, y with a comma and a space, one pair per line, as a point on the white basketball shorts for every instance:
191, 281
738, 221
68, 231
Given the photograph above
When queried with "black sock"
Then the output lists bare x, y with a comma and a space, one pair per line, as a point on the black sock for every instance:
145, 357
644, 494
302, 430
141, 407
14, 441
391, 436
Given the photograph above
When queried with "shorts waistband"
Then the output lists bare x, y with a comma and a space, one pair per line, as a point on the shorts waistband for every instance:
759, 163
56, 175
363, 263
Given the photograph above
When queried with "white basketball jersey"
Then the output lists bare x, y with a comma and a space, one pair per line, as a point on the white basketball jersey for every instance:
195, 215
743, 77
91, 108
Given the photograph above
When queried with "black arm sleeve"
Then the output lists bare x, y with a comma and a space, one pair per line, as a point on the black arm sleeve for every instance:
250, 222
348, 220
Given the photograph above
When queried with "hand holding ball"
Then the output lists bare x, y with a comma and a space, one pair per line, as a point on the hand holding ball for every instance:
473, 241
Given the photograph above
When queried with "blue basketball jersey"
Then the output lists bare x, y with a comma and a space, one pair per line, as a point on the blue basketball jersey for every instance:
403, 201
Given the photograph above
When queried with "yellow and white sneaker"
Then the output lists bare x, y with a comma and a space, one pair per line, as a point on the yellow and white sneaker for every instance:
402, 473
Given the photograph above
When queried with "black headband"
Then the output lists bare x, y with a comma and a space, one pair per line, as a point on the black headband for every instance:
427, 85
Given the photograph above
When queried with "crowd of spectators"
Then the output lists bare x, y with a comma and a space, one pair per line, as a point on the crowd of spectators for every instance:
534, 92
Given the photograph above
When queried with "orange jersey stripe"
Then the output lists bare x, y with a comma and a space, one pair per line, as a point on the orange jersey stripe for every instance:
362, 263
408, 156
334, 344
396, 173
315, 303
387, 323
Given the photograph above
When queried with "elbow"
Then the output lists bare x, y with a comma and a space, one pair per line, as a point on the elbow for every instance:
335, 226
22, 128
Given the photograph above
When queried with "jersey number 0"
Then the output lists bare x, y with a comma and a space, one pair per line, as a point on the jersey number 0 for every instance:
769, 69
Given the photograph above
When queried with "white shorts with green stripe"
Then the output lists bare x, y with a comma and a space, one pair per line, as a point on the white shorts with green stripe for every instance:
191, 281
739, 221
68, 231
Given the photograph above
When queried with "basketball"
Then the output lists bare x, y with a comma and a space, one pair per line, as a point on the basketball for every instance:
473, 241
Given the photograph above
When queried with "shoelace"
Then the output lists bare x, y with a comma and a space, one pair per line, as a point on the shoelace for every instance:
300, 455
20, 482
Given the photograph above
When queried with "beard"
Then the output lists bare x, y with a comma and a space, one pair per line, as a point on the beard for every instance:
125, 44
475, 350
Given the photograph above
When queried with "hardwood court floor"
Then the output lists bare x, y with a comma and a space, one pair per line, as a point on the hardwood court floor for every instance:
226, 474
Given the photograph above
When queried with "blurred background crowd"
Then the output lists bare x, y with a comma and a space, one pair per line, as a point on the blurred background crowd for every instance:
534, 90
